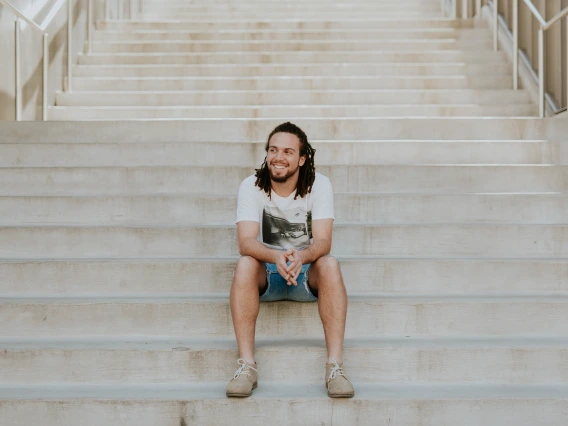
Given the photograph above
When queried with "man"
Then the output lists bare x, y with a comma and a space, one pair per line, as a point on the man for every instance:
284, 226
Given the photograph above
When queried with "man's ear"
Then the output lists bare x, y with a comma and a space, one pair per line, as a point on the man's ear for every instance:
302, 160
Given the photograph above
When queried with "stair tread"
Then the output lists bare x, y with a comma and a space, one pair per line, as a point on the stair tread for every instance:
354, 298
282, 390
161, 343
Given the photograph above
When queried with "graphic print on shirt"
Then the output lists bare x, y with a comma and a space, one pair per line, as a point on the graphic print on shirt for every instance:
285, 229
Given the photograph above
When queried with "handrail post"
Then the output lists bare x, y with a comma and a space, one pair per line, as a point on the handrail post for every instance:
18, 82
515, 44
541, 72
69, 45
496, 25
90, 27
465, 7
45, 71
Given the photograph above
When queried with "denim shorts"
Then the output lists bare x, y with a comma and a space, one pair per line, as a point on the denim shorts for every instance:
278, 289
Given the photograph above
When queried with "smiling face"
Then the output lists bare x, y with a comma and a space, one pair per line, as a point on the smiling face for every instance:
283, 157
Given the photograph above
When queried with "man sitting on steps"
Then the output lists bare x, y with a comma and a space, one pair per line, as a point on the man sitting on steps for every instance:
284, 226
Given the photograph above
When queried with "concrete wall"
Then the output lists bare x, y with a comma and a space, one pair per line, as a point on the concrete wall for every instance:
31, 55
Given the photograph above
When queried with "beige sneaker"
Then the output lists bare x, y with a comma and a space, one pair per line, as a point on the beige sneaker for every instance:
244, 380
336, 382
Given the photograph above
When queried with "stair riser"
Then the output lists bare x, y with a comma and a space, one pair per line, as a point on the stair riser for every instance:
448, 33
288, 411
403, 277
252, 155
285, 15
285, 319
149, 113
331, 70
322, 24
239, 130
159, 211
385, 365
280, 99
249, 9
431, 241
94, 155
307, 83
174, 46
216, 181
294, 57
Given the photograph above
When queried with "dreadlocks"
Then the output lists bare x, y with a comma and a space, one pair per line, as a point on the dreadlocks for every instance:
307, 171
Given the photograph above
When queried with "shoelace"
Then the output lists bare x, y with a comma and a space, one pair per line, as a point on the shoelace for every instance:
337, 370
243, 369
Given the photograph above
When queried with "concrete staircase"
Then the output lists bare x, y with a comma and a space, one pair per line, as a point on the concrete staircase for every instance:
117, 245
265, 59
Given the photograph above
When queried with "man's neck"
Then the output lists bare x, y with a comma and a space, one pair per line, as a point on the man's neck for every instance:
284, 189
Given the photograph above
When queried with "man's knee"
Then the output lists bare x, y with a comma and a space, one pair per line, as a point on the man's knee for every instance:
247, 265
327, 264
249, 271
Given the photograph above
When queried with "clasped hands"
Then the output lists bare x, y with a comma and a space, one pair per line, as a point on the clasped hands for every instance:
289, 264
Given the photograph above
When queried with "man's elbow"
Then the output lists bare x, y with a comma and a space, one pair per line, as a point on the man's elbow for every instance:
243, 248
325, 247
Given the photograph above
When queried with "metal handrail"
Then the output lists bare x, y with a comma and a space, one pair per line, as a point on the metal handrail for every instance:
43, 29
19, 14
556, 18
544, 25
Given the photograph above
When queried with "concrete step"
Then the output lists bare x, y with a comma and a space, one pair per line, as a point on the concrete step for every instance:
246, 130
64, 113
253, 154
286, 15
303, 403
336, 45
209, 317
290, 3
407, 241
375, 56
286, 98
276, 9
258, 12
222, 181
272, 70
309, 83
349, 208
480, 34
363, 275
391, 360
284, 24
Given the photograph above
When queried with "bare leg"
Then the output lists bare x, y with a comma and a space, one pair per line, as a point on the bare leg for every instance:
248, 282
325, 278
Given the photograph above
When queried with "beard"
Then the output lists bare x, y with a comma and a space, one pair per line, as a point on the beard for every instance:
284, 178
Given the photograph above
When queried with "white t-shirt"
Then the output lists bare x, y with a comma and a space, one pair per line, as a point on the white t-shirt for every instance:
285, 222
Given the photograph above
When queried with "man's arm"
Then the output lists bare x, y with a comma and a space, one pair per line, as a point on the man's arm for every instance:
321, 245
247, 233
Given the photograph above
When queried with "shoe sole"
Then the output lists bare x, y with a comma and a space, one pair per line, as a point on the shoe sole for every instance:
340, 395
242, 395
345, 395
